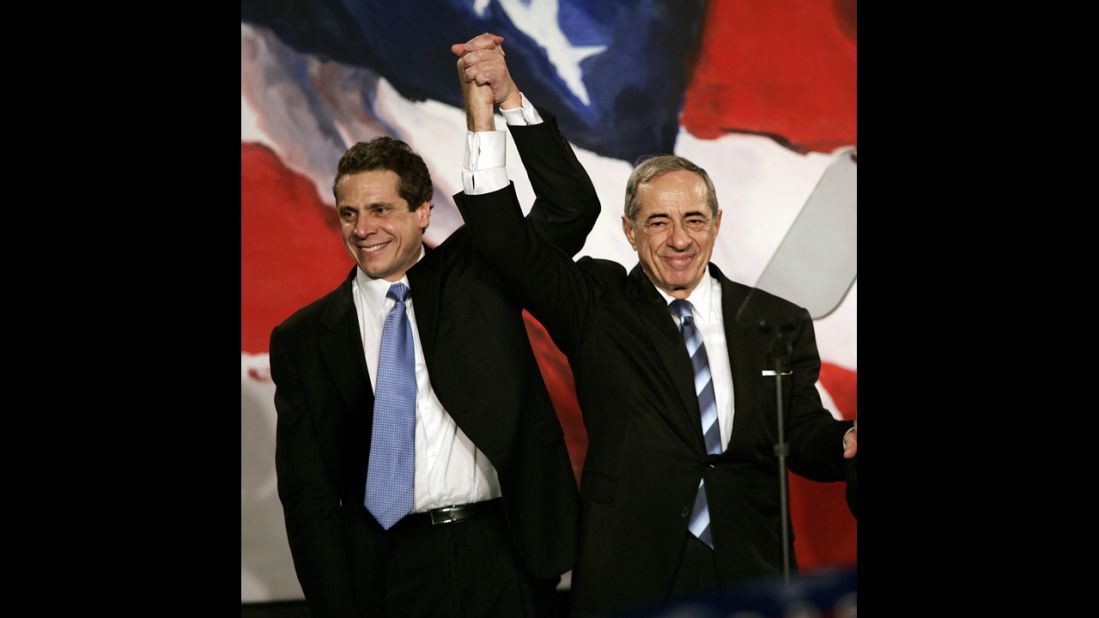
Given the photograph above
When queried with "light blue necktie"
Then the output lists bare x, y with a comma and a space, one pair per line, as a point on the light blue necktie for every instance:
391, 472
699, 524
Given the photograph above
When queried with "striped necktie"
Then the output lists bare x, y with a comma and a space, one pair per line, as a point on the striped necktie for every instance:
699, 523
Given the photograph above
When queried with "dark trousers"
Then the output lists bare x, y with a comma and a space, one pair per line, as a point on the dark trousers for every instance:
462, 570
696, 573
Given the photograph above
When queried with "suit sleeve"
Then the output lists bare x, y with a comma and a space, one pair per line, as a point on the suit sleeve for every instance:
557, 291
566, 205
815, 437
314, 525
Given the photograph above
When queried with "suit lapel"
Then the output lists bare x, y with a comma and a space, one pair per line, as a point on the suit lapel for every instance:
745, 355
424, 280
342, 350
668, 342
341, 347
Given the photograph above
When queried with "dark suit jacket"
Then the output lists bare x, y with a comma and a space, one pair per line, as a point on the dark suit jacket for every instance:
635, 385
483, 372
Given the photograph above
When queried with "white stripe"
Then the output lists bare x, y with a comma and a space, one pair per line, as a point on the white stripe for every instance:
709, 415
693, 344
699, 526
702, 378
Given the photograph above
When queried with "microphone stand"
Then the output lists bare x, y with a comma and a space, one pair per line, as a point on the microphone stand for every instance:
781, 349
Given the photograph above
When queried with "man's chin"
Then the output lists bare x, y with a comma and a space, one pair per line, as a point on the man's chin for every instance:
683, 284
374, 271
681, 280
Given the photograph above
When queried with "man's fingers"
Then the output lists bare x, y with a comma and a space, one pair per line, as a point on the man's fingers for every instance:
484, 41
481, 41
475, 57
487, 72
495, 65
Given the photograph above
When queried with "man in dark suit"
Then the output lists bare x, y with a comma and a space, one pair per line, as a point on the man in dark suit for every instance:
421, 466
680, 491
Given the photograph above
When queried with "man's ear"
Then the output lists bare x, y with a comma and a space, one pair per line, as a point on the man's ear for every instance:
627, 229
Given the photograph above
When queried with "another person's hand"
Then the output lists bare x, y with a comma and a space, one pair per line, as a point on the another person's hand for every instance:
478, 99
850, 441
481, 61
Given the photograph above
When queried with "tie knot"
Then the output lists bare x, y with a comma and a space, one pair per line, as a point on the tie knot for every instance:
398, 292
682, 308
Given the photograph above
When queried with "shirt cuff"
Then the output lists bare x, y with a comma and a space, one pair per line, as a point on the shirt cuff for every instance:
526, 114
483, 170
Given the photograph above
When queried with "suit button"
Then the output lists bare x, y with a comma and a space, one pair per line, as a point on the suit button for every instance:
685, 512
712, 466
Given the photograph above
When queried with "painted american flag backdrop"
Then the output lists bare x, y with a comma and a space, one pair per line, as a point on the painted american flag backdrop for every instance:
760, 93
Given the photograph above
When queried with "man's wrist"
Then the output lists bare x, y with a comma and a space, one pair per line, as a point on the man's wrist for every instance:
514, 100
523, 115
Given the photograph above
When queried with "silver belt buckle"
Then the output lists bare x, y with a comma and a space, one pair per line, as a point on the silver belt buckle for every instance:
444, 515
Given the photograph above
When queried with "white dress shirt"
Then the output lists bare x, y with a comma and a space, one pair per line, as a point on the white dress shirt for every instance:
449, 468
709, 320
484, 168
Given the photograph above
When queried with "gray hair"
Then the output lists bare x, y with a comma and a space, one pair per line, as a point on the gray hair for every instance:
652, 168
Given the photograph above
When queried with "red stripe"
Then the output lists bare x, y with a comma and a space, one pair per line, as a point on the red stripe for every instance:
290, 248
781, 67
826, 531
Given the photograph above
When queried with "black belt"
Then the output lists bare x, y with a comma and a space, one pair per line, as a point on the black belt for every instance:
451, 514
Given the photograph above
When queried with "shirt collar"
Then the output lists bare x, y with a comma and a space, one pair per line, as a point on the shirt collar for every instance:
700, 297
373, 291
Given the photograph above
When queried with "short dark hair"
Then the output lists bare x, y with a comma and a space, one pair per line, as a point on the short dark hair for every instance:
651, 168
386, 153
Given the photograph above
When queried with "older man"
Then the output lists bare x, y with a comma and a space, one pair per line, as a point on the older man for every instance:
680, 493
